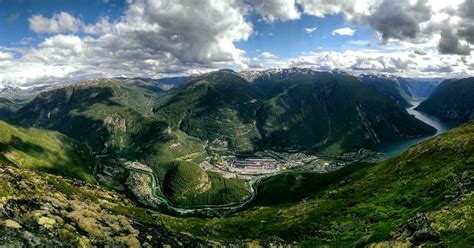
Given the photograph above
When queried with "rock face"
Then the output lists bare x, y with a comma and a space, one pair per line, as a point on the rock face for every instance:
11, 224
419, 230
452, 100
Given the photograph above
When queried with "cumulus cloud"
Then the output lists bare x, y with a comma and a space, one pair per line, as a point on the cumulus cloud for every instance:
399, 19
61, 22
272, 10
267, 55
401, 63
152, 38
416, 21
449, 44
344, 31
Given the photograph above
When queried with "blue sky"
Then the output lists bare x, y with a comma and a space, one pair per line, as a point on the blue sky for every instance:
14, 25
289, 39
272, 37
63, 40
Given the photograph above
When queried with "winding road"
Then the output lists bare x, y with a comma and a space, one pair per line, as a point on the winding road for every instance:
201, 208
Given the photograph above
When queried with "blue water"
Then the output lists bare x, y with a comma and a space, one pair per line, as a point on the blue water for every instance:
397, 147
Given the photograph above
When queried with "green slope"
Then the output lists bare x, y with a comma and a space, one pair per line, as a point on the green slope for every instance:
111, 116
435, 178
330, 113
116, 119
452, 100
53, 211
7, 108
46, 151
287, 110
186, 184
215, 106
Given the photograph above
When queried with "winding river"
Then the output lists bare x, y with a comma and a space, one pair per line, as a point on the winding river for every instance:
395, 148
390, 149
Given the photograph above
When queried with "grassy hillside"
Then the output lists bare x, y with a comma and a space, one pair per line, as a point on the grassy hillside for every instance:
46, 151
215, 106
111, 116
286, 110
186, 184
330, 113
422, 196
452, 100
39, 209
283, 110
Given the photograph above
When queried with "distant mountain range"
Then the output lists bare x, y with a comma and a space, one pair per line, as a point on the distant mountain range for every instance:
402, 90
287, 109
64, 149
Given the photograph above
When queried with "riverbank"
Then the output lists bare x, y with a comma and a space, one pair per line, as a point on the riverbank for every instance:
395, 148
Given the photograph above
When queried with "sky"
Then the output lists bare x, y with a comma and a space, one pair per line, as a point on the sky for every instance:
54, 41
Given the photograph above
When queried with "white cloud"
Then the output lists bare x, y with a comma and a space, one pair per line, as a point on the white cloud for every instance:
344, 31
403, 62
267, 55
5, 56
272, 10
61, 22
155, 38
150, 39
310, 30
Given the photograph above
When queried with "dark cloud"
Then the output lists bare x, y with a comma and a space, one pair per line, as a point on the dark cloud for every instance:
419, 52
399, 19
467, 9
449, 44
466, 31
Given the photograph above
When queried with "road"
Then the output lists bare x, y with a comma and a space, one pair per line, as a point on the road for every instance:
253, 184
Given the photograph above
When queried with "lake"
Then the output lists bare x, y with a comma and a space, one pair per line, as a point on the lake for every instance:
397, 147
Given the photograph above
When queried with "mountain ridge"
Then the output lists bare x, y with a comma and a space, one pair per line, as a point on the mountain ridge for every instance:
452, 100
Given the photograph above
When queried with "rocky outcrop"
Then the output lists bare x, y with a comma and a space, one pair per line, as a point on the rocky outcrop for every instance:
50, 211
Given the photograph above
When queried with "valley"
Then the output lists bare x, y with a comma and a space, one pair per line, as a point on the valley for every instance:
285, 149
236, 124
397, 147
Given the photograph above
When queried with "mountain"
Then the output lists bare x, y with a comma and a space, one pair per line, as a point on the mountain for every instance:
116, 111
218, 107
328, 112
38, 209
7, 108
287, 109
115, 119
452, 100
422, 197
46, 151
174, 80
402, 90
49, 195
